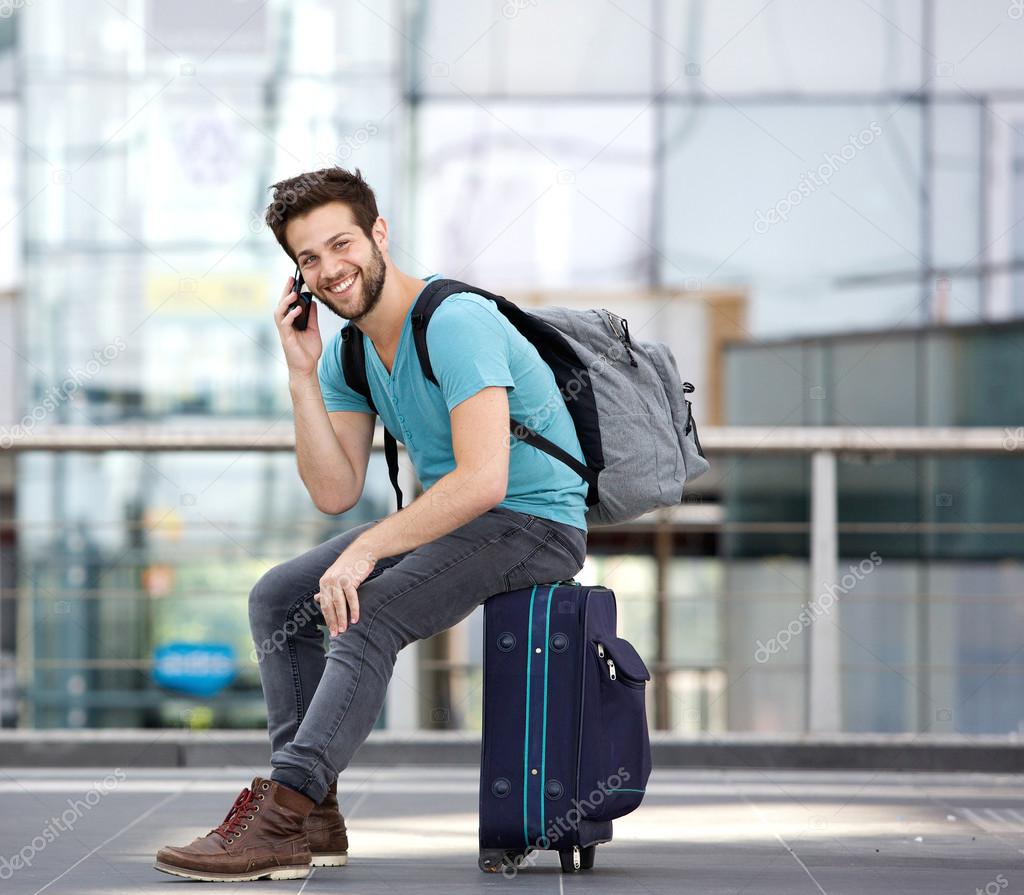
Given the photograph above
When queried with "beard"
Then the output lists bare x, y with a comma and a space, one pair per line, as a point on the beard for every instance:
366, 291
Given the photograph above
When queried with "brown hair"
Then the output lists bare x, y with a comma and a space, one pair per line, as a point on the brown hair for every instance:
296, 196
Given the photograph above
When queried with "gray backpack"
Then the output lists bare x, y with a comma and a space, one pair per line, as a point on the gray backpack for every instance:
629, 406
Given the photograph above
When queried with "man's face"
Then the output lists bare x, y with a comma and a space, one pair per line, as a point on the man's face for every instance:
341, 265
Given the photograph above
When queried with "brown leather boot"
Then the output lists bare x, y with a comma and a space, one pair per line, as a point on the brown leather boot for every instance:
261, 836
325, 829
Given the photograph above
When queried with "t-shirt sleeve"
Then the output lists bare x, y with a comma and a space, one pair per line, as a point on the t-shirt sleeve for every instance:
469, 350
337, 394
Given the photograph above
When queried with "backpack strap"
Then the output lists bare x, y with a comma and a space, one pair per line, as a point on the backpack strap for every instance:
353, 367
428, 302
530, 436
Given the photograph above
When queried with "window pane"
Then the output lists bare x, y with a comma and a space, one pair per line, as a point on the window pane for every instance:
482, 48
750, 46
522, 196
798, 203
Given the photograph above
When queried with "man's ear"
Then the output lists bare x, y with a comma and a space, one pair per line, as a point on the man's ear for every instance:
380, 234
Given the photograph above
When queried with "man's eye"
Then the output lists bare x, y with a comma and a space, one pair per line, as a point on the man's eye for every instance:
307, 259
341, 243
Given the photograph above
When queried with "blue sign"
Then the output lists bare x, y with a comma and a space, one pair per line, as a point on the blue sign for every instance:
200, 669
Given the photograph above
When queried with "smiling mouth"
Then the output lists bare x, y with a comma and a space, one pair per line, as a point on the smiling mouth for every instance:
345, 285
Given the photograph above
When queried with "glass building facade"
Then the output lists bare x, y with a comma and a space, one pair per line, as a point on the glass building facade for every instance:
667, 144
931, 637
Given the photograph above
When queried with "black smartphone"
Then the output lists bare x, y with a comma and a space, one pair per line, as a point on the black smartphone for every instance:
303, 299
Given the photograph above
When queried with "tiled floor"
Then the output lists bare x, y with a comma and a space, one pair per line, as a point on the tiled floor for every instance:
413, 829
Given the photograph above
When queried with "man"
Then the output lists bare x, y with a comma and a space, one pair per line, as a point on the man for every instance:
496, 515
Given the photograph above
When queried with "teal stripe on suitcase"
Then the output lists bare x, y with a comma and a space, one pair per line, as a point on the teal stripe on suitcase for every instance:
526, 739
536, 620
544, 733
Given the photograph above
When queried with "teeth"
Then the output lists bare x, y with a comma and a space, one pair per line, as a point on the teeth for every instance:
342, 286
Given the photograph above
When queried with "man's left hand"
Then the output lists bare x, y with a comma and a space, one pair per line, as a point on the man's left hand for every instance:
338, 597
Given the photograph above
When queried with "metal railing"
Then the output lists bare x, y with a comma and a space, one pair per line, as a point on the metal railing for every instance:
820, 445
716, 440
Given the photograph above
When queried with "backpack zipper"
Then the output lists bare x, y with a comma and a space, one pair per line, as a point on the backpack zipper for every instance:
690, 423
620, 328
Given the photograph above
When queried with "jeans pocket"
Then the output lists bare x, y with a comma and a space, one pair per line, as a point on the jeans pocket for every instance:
573, 541
550, 560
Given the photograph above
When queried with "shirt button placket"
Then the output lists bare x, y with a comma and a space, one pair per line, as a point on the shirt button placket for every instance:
401, 417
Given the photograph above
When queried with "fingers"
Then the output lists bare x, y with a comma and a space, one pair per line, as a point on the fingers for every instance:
287, 296
327, 608
339, 602
352, 598
284, 317
289, 316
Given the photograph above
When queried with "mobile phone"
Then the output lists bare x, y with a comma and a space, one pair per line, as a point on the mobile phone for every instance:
303, 299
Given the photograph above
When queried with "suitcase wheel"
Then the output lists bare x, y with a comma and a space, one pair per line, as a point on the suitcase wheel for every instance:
576, 859
495, 860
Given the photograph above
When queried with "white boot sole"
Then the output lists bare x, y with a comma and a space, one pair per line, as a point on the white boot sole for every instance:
295, 872
327, 859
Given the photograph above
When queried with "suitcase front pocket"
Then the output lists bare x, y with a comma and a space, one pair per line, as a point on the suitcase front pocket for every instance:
614, 777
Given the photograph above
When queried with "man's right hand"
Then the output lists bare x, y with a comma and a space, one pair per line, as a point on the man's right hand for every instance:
302, 348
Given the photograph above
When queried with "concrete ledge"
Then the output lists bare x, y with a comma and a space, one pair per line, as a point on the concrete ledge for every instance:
216, 748
894, 752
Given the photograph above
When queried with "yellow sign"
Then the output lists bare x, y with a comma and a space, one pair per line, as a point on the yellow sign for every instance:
214, 294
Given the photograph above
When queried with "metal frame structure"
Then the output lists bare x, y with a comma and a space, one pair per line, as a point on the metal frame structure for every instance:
925, 98
821, 445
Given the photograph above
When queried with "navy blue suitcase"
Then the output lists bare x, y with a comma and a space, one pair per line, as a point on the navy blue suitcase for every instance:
565, 746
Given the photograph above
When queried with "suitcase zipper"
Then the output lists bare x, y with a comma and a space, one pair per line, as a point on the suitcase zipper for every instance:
608, 661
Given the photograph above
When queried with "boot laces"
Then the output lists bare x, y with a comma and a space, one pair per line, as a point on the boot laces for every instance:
233, 819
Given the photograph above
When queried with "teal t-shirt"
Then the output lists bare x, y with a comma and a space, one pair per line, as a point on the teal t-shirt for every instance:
472, 345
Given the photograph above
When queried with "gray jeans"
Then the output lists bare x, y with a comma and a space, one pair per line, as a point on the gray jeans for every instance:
321, 706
